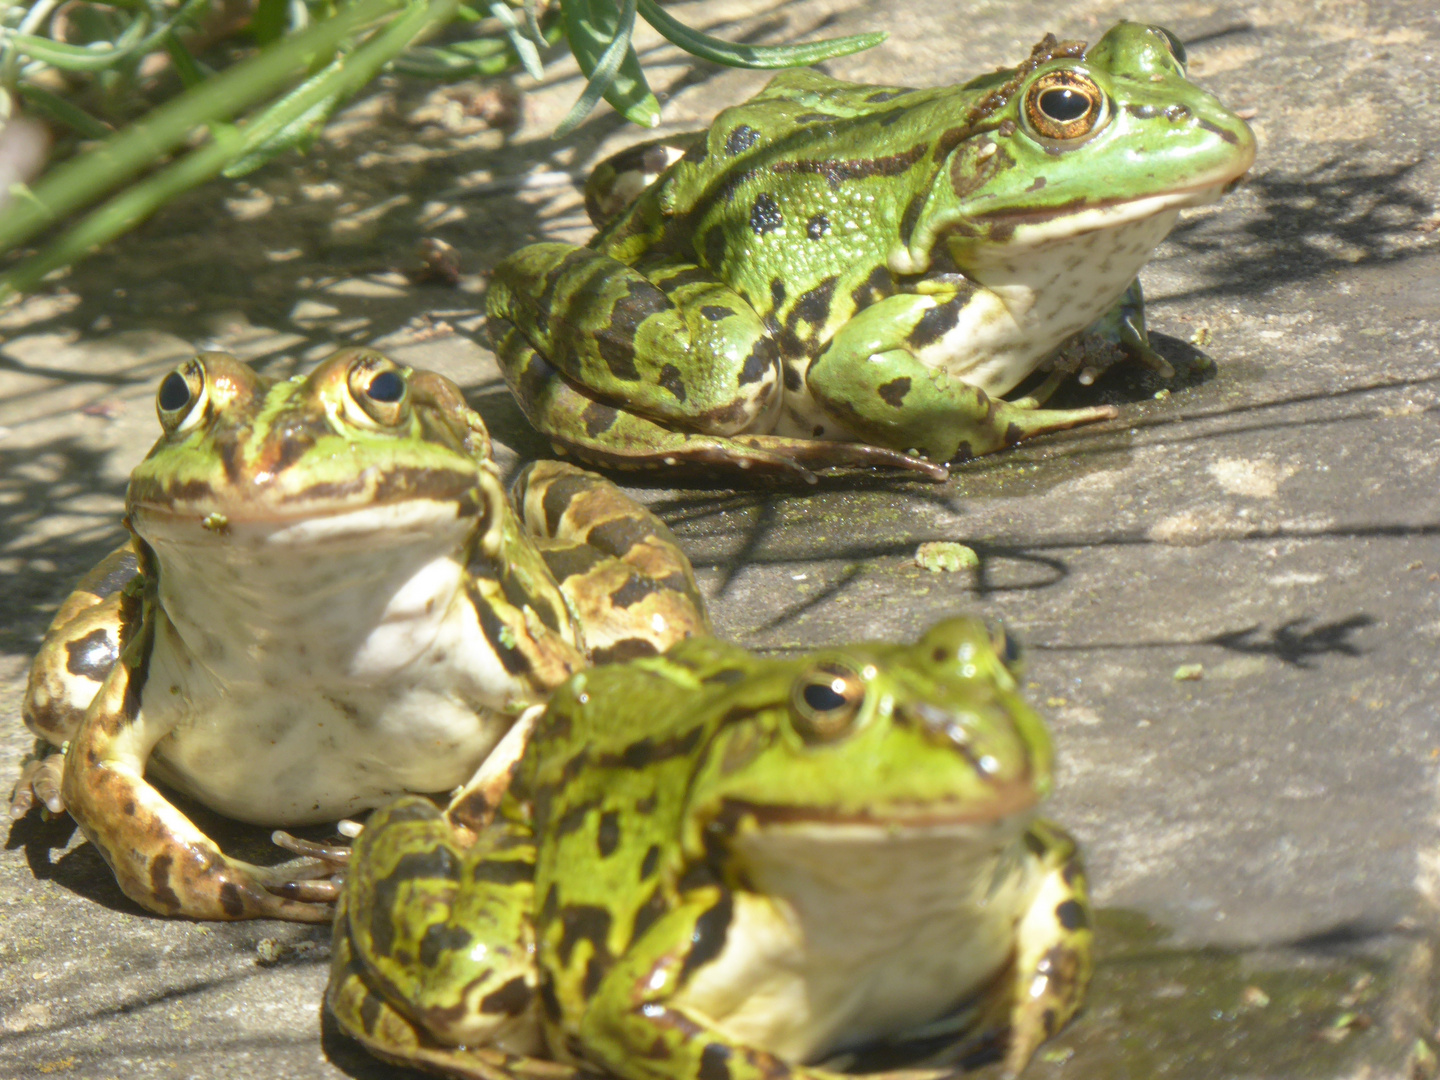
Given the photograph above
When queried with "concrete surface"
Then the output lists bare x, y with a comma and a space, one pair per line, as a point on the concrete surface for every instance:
1262, 840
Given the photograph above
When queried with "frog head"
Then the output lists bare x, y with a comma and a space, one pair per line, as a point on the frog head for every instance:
876, 741
1072, 143
317, 499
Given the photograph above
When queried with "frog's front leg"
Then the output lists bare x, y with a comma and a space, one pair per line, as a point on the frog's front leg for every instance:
433, 959
639, 1025
871, 378
160, 859
1054, 941
630, 370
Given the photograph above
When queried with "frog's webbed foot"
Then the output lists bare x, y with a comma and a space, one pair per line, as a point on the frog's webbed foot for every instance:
40, 778
1117, 336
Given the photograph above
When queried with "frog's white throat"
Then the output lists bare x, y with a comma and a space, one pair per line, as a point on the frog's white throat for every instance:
1052, 279
854, 931
361, 592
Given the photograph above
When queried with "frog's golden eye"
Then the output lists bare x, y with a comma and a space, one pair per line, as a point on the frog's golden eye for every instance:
826, 700
181, 400
1006, 648
1064, 105
379, 387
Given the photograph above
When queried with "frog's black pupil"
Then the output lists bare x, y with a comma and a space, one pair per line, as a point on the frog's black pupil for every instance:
174, 392
387, 386
1063, 105
823, 697
1177, 47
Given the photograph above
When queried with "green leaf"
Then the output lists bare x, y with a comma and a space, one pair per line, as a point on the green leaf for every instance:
58, 109
523, 46
268, 22
69, 57
752, 56
601, 45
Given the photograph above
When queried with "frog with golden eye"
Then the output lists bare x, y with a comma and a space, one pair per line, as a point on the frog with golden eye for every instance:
711, 865
328, 600
839, 275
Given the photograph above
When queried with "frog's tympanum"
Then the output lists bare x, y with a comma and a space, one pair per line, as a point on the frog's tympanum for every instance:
328, 601
839, 274
712, 866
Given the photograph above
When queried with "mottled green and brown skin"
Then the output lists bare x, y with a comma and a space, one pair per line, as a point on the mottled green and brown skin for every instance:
713, 866
328, 600
847, 275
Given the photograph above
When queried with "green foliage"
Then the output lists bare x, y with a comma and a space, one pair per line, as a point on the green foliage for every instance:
168, 94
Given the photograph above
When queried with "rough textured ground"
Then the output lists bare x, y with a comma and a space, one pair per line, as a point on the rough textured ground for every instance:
1262, 839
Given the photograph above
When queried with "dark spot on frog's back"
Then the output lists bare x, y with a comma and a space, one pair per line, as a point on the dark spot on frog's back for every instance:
626, 649
370, 1012
671, 379
559, 495
882, 96
1071, 915
936, 323
429, 864
817, 226
651, 861
793, 378
511, 659
708, 937
714, 312
160, 882
1036, 184
894, 391
761, 361
814, 306
777, 293
607, 836
765, 215
512, 999
741, 139
442, 940
584, 922
878, 284
599, 418
714, 1062
92, 655
549, 1001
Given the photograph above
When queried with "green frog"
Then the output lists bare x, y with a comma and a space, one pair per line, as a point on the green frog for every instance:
839, 275
328, 600
715, 866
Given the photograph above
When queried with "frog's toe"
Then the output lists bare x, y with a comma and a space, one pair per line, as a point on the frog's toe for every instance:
331, 857
39, 782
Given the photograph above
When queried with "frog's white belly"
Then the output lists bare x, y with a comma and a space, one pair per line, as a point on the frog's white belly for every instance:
868, 933
295, 679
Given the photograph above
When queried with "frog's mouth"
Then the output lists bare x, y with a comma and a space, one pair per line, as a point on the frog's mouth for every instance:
373, 502
1013, 801
1065, 221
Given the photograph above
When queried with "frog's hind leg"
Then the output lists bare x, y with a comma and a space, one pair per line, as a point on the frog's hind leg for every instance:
432, 963
628, 582
674, 343
81, 645
609, 437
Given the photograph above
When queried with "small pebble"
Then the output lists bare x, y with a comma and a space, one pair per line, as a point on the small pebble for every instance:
1189, 672
945, 555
